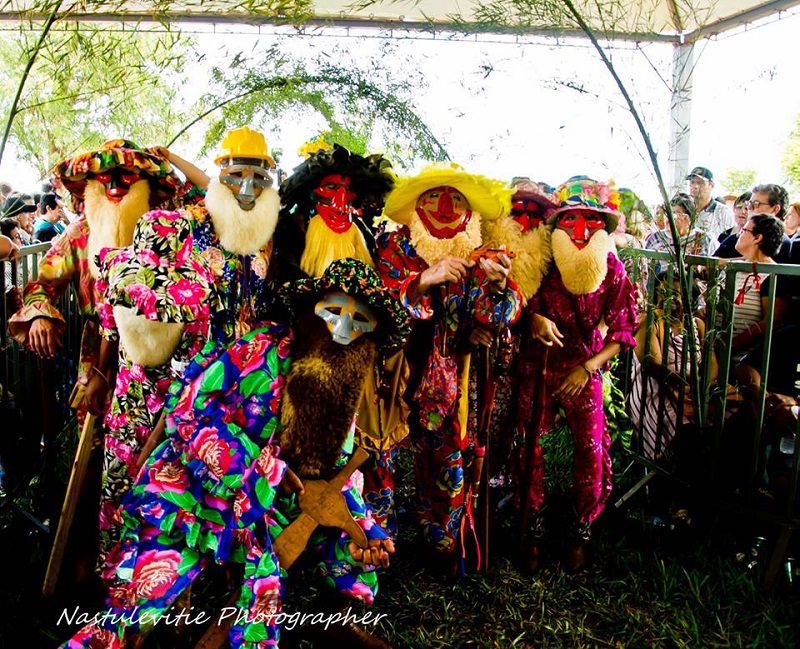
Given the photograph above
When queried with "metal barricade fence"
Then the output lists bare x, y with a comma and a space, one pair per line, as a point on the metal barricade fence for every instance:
35, 393
743, 440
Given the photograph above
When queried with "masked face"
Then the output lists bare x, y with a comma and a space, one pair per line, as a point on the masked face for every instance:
334, 198
246, 182
580, 225
117, 182
347, 317
444, 211
526, 211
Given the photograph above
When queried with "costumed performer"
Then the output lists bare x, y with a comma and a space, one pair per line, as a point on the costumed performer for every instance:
242, 416
427, 263
329, 204
159, 297
582, 316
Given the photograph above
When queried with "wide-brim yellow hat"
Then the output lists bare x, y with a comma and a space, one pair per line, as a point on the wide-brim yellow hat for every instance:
490, 198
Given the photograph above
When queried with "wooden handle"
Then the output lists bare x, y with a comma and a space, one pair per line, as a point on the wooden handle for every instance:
68, 508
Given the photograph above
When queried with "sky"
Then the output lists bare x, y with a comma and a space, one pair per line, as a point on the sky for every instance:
550, 111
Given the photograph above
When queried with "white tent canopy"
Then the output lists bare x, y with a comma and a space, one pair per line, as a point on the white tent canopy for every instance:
678, 20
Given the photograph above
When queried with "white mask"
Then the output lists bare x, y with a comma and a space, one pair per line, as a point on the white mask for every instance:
347, 317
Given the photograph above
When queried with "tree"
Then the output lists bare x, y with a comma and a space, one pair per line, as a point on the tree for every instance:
88, 84
791, 156
738, 180
363, 104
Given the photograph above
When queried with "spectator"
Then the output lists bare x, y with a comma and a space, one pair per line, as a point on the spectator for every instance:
791, 224
16, 206
10, 230
655, 411
693, 240
5, 191
759, 242
727, 240
771, 199
713, 217
49, 224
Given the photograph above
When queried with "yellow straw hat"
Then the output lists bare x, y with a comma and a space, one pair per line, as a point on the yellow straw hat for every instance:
490, 198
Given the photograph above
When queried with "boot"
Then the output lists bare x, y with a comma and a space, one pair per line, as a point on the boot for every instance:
578, 549
531, 553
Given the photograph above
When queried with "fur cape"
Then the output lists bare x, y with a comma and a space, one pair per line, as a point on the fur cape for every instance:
323, 390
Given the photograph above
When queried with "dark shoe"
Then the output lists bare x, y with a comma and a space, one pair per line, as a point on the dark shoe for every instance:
532, 556
451, 566
576, 555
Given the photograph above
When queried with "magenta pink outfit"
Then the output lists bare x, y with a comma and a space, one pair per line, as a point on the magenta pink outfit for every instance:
542, 370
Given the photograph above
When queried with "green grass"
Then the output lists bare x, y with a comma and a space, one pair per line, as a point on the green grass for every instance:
644, 587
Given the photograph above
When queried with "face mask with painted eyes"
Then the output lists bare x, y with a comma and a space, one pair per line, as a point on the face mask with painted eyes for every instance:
117, 182
246, 182
347, 317
581, 225
444, 211
335, 197
526, 211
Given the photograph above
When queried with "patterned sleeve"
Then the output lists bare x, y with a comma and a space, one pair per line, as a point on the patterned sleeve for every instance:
399, 265
352, 491
57, 269
490, 309
620, 306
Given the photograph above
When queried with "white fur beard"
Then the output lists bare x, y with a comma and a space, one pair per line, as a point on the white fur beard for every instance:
242, 232
324, 246
582, 271
533, 250
432, 250
146, 342
111, 225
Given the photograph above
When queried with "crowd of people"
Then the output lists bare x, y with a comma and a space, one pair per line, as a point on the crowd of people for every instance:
243, 342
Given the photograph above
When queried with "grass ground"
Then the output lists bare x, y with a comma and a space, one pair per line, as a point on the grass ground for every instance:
646, 586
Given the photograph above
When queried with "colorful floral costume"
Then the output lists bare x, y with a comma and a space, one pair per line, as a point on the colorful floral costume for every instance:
244, 283
209, 491
161, 278
578, 318
437, 438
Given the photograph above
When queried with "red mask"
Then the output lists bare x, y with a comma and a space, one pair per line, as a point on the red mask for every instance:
117, 182
444, 211
526, 211
580, 225
335, 202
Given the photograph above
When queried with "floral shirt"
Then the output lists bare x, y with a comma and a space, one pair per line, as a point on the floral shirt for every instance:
244, 282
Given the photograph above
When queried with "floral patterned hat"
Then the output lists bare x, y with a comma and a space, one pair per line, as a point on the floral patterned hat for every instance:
73, 173
354, 278
583, 193
160, 276
490, 198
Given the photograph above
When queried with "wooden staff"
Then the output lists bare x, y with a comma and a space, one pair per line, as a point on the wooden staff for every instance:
68, 509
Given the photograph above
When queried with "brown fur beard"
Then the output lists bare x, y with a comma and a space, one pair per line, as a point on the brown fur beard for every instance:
111, 225
322, 392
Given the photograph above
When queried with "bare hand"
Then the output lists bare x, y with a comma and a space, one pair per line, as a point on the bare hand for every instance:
573, 383
481, 336
291, 483
376, 554
160, 151
545, 331
496, 271
449, 269
95, 394
43, 338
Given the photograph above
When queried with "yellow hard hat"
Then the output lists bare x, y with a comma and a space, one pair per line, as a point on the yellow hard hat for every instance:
244, 143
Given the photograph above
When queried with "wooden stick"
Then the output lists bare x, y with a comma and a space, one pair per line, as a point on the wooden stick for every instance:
68, 509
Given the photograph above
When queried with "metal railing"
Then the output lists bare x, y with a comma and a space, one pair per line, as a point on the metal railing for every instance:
717, 404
